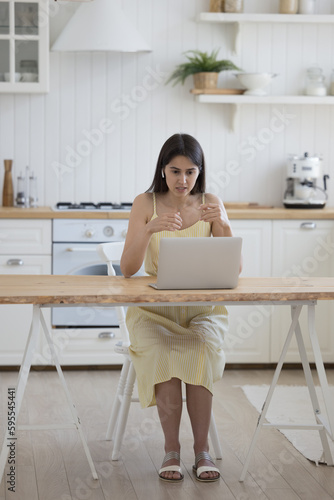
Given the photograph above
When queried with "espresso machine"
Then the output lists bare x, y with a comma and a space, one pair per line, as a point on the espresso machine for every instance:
303, 173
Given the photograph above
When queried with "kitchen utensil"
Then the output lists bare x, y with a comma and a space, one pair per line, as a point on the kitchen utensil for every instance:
8, 190
302, 190
255, 82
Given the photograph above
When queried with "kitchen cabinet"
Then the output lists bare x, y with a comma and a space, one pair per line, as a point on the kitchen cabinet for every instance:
25, 248
248, 338
24, 46
303, 248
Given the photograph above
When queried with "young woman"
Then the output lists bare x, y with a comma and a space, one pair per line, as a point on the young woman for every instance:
174, 344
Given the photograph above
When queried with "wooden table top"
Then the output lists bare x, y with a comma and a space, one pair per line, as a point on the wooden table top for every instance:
58, 289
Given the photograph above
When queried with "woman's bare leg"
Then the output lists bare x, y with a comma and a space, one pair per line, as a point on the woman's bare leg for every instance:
168, 396
199, 405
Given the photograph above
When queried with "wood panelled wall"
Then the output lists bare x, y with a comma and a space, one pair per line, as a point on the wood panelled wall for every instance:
96, 135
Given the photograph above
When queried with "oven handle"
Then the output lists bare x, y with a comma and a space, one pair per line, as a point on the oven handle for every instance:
80, 249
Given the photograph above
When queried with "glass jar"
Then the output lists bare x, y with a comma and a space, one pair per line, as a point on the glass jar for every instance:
315, 82
216, 5
288, 6
236, 6
306, 7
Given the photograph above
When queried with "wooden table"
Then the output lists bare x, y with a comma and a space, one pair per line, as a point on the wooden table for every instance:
46, 291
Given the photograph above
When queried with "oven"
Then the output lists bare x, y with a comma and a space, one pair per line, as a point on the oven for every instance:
74, 252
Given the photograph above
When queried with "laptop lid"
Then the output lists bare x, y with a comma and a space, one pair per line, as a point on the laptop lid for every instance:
194, 263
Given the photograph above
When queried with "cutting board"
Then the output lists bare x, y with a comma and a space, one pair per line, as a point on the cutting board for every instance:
217, 91
244, 205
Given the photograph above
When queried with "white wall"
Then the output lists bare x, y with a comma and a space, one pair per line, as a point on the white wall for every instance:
86, 89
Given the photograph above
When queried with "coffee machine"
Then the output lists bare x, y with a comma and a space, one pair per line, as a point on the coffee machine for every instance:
302, 191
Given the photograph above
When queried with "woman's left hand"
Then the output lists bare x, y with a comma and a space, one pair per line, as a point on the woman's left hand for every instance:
214, 212
216, 215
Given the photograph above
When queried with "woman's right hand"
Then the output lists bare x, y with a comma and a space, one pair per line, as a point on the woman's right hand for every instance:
165, 222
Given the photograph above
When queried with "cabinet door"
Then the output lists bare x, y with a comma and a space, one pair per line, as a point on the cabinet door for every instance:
248, 338
24, 46
16, 319
303, 248
23, 237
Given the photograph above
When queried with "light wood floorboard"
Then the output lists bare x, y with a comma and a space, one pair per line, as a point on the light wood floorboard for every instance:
51, 465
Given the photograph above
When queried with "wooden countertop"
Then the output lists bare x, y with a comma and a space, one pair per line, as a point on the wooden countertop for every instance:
53, 289
234, 210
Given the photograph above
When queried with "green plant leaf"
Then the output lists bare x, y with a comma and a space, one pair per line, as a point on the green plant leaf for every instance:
200, 62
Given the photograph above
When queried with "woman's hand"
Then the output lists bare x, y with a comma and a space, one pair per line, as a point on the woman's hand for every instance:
165, 222
215, 213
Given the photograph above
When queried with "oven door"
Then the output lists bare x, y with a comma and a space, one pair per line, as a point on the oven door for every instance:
83, 259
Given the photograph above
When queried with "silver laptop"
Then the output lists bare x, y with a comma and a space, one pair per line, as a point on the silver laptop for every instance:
193, 263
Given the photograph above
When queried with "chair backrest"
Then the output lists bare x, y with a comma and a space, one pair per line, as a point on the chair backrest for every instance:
111, 253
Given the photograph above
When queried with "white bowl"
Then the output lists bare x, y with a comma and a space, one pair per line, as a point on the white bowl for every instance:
17, 77
255, 82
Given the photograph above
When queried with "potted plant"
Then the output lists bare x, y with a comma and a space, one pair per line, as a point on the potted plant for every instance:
203, 66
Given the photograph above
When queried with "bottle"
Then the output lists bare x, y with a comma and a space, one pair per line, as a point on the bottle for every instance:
315, 82
306, 7
20, 192
8, 190
236, 6
288, 6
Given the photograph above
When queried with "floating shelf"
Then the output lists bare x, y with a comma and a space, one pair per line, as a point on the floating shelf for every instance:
239, 19
266, 99
237, 100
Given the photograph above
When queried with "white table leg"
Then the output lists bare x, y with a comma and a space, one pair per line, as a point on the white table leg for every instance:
296, 313
75, 417
21, 381
329, 424
312, 392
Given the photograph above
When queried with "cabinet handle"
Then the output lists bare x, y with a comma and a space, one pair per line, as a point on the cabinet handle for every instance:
106, 335
14, 262
308, 225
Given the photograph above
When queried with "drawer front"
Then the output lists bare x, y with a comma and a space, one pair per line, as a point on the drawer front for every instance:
25, 264
21, 237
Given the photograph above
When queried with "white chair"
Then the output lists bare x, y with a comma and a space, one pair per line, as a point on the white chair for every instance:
111, 253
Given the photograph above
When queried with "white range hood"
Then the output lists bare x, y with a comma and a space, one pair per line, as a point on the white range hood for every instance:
100, 25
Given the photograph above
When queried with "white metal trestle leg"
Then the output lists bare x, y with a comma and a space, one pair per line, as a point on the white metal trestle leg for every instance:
329, 404
313, 395
21, 381
295, 316
75, 417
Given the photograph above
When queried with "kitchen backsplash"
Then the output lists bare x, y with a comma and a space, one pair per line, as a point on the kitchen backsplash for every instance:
96, 135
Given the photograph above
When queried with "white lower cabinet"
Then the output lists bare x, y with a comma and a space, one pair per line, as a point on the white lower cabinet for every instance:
303, 248
248, 338
25, 249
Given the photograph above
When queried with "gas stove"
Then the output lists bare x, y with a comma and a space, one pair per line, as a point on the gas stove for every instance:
89, 206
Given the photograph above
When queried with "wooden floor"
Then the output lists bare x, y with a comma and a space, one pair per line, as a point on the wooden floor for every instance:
51, 465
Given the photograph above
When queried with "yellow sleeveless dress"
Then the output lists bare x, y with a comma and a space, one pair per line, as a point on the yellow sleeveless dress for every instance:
185, 342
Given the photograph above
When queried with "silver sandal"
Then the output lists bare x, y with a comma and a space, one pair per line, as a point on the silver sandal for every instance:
172, 468
204, 455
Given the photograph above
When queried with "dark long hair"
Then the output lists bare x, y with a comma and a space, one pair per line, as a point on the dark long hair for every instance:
179, 145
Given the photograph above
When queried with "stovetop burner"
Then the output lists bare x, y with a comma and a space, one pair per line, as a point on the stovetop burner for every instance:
64, 205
